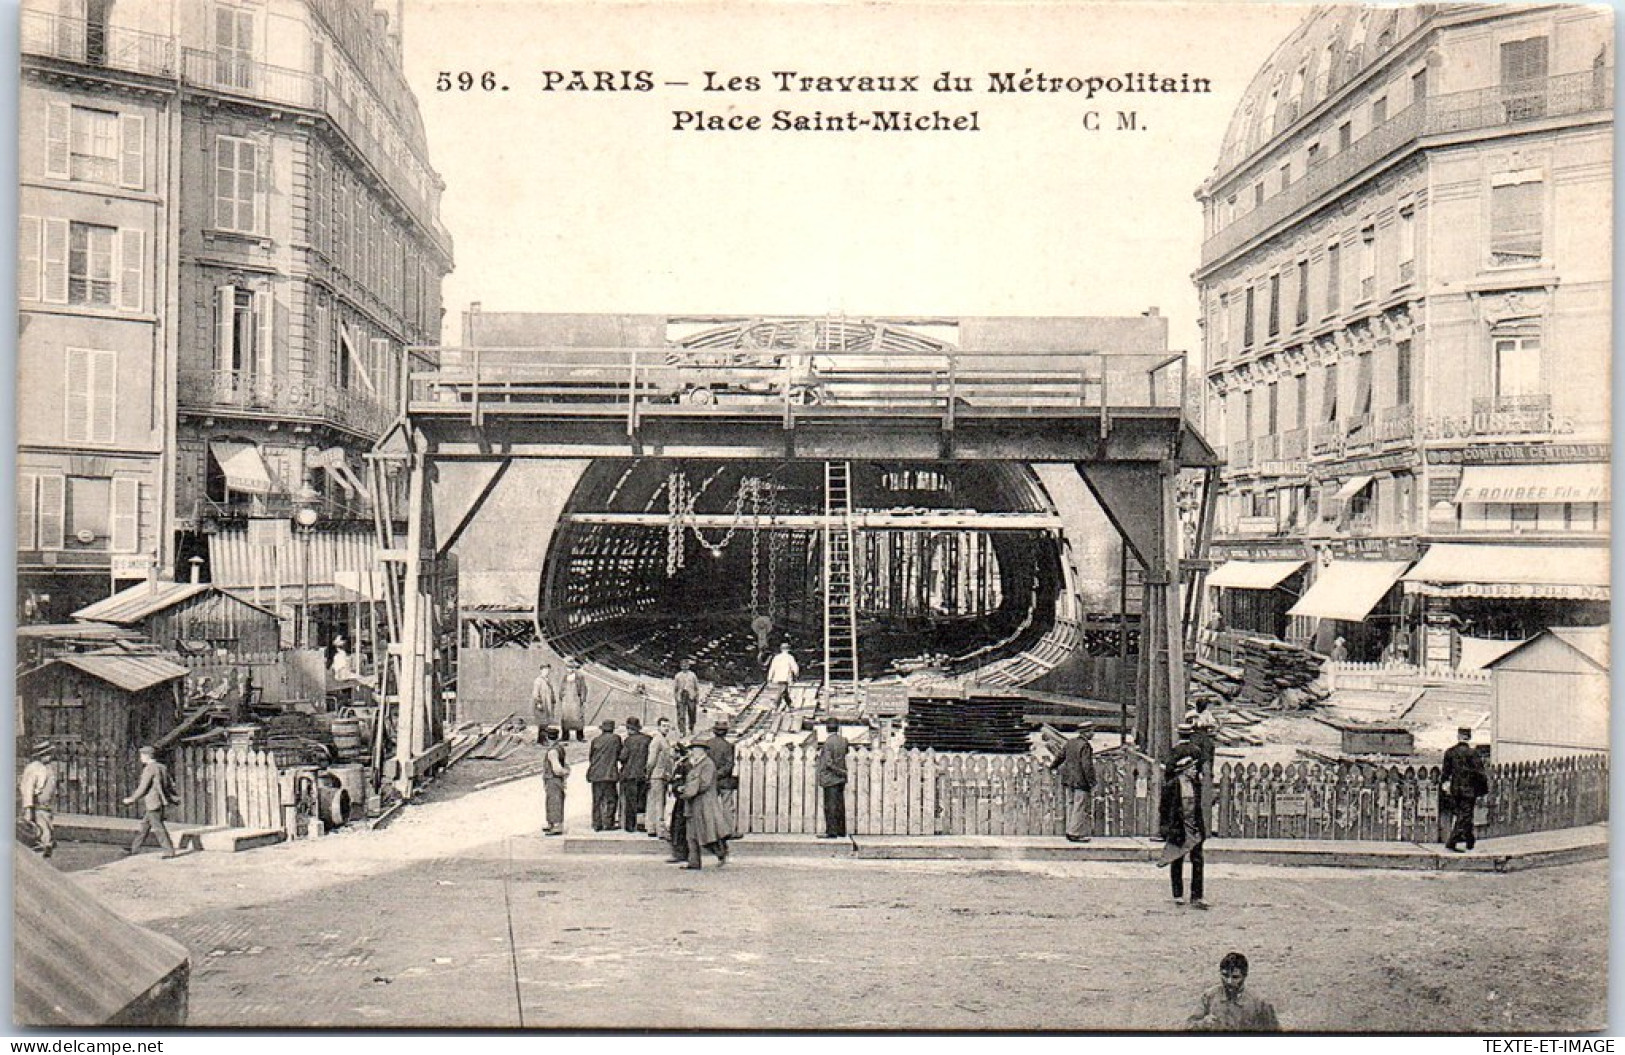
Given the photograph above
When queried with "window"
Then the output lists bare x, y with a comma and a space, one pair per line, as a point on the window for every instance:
1368, 263
89, 512
1525, 516
1286, 175
1407, 245
341, 361
1247, 415
1517, 215
1580, 516
1300, 314
1258, 194
1323, 72
1272, 415
1419, 85
1517, 363
1224, 324
1334, 277
1402, 374
94, 145
1379, 111
235, 186
91, 390
1300, 388
1275, 304
1345, 135
1328, 402
244, 327
1362, 385
1247, 319
1314, 155
233, 47
90, 264
1523, 78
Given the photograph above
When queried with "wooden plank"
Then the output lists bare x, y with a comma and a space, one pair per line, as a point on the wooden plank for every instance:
795, 767
857, 784
781, 801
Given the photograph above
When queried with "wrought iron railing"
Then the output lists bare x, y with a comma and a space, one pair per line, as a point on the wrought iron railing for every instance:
1294, 444
286, 395
96, 44
1396, 423
1326, 438
1589, 91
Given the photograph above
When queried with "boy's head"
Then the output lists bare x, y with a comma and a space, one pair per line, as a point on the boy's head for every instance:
1233, 972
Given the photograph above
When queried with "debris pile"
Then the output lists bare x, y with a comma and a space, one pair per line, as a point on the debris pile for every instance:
948, 717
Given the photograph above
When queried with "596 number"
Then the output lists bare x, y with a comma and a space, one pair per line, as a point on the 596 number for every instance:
466, 81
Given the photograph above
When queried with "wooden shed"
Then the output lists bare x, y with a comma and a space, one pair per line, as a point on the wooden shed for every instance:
1551, 695
195, 619
112, 701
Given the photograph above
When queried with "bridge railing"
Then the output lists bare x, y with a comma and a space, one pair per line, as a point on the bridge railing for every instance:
589, 380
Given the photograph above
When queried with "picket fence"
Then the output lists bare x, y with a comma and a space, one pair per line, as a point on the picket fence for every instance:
913, 792
237, 787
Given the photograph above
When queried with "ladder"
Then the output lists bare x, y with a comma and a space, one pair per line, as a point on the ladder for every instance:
840, 594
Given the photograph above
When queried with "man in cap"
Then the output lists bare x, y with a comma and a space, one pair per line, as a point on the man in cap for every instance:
660, 752
831, 778
36, 794
1077, 765
706, 827
555, 774
634, 773
1460, 786
152, 792
678, 829
722, 753
686, 689
544, 702
782, 671
1183, 823
604, 774
573, 702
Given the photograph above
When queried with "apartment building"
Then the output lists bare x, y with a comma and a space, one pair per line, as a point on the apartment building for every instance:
1405, 290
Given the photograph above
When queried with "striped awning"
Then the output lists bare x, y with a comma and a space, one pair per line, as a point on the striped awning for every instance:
244, 468
1253, 574
1571, 573
1349, 589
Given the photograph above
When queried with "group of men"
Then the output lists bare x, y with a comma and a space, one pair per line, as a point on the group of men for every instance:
562, 708
36, 797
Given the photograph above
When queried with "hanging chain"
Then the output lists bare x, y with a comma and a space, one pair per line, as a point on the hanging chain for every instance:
776, 542
674, 524
755, 550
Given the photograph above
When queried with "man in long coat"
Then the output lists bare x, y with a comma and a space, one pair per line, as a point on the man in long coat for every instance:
1460, 786
660, 764
544, 702
1183, 823
1077, 765
604, 774
723, 754
831, 779
634, 773
706, 825
573, 703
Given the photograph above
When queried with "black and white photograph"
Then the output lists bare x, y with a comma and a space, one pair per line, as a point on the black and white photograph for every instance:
1064, 517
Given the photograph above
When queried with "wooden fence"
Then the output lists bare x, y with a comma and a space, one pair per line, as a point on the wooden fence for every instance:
216, 785
911, 792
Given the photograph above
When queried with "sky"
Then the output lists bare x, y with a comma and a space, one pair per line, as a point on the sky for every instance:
592, 201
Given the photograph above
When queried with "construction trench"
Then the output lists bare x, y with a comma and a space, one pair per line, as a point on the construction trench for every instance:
900, 509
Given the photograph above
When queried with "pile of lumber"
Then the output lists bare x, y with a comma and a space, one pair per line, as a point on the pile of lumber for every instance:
1213, 684
967, 720
1269, 668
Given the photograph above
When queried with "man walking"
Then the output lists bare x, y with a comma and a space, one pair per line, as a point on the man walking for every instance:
604, 774
1183, 824
555, 773
573, 703
544, 702
1460, 786
686, 689
1077, 765
706, 826
36, 794
723, 755
831, 777
678, 807
152, 792
634, 773
782, 671
654, 810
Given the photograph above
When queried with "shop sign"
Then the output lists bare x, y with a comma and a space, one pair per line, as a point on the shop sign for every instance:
1283, 549
1520, 453
1374, 548
1379, 463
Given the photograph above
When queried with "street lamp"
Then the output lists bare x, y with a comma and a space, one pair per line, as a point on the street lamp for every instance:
304, 522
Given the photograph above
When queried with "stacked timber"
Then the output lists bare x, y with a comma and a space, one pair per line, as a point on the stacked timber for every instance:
1213, 684
1270, 669
953, 718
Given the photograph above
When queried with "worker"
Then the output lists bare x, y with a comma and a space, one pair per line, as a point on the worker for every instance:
634, 773
660, 766
1461, 784
346, 679
36, 795
544, 702
831, 779
686, 690
152, 792
723, 755
573, 702
604, 774
1077, 765
555, 774
782, 672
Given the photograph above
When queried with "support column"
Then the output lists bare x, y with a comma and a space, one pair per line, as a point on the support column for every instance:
412, 725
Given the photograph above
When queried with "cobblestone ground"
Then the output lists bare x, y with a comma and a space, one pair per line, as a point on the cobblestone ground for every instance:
459, 915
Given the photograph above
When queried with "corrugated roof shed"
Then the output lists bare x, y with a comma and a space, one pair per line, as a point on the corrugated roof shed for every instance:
143, 599
79, 964
129, 672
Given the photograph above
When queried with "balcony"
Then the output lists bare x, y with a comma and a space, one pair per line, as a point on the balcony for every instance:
1396, 424
1326, 438
1295, 445
1520, 415
332, 507
1590, 91
1239, 455
1267, 448
1360, 434
284, 396
96, 44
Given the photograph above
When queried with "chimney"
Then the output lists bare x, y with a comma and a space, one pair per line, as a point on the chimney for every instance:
152, 576
197, 568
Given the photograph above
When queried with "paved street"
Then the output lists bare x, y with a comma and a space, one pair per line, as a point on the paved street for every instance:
457, 915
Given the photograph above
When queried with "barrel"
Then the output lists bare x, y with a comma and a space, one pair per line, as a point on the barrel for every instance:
335, 806
351, 779
347, 737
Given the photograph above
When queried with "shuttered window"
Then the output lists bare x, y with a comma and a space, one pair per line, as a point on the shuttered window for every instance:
91, 387
132, 151
30, 257
235, 184
1517, 215
52, 505
126, 518
90, 264
244, 330
1334, 277
27, 511
58, 135
131, 270
55, 274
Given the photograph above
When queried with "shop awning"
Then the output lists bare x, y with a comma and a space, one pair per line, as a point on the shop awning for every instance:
1534, 483
1353, 486
1349, 589
1573, 573
244, 468
1252, 574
